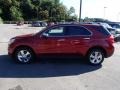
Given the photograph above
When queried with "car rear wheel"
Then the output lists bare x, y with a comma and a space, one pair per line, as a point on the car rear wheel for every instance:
95, 57
24, 55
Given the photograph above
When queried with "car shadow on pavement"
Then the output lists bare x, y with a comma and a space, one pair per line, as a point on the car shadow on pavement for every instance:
9, 69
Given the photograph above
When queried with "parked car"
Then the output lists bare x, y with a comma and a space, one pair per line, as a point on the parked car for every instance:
93, 42
19, 23
115, 26
113, 31
105, 25
39, 24
51, 23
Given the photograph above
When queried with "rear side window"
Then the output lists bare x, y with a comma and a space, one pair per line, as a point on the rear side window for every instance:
103, 30
76, 30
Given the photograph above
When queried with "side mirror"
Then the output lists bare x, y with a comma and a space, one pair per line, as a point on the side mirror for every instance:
45, 35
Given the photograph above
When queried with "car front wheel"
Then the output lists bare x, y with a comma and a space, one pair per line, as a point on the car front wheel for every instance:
24, 55
95, 57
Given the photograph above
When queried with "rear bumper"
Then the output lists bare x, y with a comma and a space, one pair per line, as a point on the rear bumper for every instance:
110, 51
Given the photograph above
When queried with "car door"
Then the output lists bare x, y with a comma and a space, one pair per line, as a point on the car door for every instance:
79, 38
53, 40
60, 41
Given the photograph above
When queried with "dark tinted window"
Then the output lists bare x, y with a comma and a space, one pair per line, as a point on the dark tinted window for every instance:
77, 30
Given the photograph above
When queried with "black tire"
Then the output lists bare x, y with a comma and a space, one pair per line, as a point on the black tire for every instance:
31, 55
95, 60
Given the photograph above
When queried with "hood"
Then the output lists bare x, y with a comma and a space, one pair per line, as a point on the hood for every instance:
24, 36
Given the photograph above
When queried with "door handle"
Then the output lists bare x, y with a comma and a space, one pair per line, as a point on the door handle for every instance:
61, 40
86, 38
76, 42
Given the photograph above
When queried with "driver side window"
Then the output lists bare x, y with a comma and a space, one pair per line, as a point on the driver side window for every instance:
57, 31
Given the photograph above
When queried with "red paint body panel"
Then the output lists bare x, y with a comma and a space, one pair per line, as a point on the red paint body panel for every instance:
66, 45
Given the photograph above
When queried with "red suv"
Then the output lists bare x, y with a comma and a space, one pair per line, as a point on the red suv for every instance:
91, 41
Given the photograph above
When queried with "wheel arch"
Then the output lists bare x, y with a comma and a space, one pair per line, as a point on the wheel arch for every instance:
23, 46
98, 47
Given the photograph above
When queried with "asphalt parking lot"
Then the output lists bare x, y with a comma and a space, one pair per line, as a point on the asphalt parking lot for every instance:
65, 74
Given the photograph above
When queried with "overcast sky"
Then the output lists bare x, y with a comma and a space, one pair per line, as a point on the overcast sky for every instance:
95, 8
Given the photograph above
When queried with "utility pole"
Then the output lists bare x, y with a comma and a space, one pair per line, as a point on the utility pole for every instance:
118, 16
105, 12
80, 13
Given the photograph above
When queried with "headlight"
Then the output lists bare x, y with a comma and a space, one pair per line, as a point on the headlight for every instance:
11, 41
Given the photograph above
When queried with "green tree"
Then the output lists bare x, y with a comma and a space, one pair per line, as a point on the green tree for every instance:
1, 11
36, 2
51, 10
56, 2
15, 3
5, 7
6, 3
71, 11
1, 21
61, 12
44, 15
27, 9
15, 14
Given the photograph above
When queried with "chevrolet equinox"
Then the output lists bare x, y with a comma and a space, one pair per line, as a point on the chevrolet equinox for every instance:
93, 42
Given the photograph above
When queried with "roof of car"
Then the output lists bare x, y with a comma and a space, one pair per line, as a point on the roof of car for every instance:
38, 21
77, 24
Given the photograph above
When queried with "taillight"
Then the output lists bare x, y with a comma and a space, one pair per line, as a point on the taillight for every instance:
111, 39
